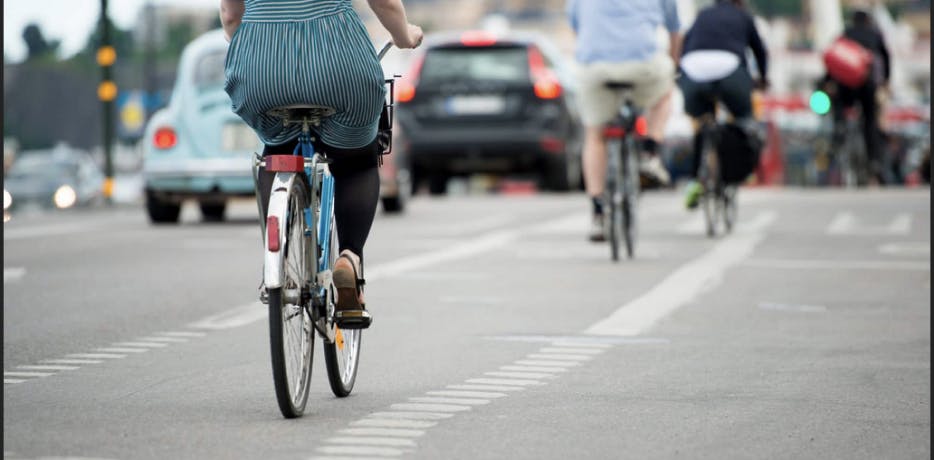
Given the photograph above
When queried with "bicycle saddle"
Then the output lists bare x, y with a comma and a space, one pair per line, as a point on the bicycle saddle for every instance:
621, 85
302, 112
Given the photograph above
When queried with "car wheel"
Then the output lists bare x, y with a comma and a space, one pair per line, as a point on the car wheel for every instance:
161, 212
213, 212
559, 176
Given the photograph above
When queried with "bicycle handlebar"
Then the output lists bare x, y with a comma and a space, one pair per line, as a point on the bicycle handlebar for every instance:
385, 49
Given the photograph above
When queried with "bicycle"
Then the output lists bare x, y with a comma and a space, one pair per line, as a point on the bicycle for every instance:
718, 199
623, 178
300, 251
849, 150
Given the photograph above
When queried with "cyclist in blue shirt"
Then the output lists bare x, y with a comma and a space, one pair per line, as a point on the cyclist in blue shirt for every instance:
617, 40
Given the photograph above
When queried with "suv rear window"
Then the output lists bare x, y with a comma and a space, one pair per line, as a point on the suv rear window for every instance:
459, 64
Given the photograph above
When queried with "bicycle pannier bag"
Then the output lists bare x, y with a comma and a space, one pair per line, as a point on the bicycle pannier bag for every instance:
848, 62
738, 149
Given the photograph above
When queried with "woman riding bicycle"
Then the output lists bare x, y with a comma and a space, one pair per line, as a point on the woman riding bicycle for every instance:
288, 52
714, 68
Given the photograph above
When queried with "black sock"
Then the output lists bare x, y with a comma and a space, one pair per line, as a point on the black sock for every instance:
597, 205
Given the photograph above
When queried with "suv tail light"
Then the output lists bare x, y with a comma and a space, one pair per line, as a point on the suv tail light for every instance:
165, 138
405, 87
478, 38
544, 80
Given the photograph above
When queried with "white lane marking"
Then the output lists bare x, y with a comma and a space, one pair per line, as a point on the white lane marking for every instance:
163, 339
393, 423
372, 441
429, 407
13, 380
788, 307
527, 362
13, 274
121, 350
183, 334
516, 382
845, 223
95, 356
362, 450
485, 387
582, 344
48, 230
26, 374
412, 415
906, 248
70, 361
686, 283
240, 316
444, 276
466, 249
561, 357
803, 264
343, 457
519, 375
48, 368
141, 344
383, 432
571, 351
456, 401
472, 300
470, 227
532, 369
468, 394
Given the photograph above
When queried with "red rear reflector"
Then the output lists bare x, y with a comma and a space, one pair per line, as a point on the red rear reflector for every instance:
285, 163
552, 144
165, 138
478, 38
272, 233
614, 132
642, 127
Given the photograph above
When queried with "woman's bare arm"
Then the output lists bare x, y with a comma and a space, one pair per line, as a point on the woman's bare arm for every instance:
391, 14
231, 15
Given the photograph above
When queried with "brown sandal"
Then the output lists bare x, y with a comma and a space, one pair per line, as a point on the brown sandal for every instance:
350, 312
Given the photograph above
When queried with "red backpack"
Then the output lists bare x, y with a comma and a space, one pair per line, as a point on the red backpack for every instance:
848, 62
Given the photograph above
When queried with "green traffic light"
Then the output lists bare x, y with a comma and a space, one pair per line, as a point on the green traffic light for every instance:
820, 102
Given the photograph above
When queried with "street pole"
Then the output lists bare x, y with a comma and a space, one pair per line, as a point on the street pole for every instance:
107, 92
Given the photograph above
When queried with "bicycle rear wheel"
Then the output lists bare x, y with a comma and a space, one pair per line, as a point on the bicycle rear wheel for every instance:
342, 355
615, 198
729, 207
291, 332
710, 199
630, 196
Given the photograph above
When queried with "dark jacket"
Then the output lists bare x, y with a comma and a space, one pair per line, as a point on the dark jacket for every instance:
726, 27
871, 39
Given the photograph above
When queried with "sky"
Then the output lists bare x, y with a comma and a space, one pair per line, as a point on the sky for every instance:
70, 21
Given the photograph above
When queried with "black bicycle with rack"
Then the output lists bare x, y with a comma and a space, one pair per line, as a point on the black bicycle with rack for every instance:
623, 179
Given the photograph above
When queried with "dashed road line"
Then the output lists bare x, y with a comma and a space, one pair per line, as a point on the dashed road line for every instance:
141, 344
532, 369
372, 441
560, 357
382, 432
468, 394
26, 374
429, 407
453, 401
121, 350
393, 423
520, 375
47, 368
485, 387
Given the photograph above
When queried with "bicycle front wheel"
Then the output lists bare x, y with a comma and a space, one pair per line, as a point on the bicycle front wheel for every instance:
342, 355
291, 331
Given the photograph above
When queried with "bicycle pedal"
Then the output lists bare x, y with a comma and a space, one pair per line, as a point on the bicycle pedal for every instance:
353, 319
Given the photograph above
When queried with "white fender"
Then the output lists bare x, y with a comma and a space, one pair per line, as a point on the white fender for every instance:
278, 209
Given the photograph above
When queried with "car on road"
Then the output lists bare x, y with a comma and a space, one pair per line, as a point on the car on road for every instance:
58, 178
196, 148
479, 102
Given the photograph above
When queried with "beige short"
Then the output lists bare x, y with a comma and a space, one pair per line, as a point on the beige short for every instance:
653, 79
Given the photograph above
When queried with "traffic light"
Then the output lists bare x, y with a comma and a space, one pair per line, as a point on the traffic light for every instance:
820, 102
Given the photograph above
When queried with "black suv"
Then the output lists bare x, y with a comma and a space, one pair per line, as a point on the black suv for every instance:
476, 102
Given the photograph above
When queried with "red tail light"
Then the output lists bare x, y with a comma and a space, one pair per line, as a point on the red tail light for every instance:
478, 38
544, 80
165, 138
405, 87
642, 127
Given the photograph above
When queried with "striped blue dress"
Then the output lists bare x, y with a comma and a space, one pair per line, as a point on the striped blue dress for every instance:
289, 52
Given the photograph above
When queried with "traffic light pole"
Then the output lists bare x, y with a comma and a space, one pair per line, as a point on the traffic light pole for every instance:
106, 93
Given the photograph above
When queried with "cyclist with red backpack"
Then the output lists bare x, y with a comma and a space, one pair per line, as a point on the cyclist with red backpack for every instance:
858, 67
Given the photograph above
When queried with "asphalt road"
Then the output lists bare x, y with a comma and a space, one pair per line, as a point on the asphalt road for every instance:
499, 332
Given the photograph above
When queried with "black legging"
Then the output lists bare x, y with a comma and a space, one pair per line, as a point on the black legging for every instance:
356, 189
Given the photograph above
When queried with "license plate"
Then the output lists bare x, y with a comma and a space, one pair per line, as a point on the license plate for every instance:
475, 105
237, 137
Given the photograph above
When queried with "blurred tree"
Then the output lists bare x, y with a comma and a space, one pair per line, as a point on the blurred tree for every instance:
37, 46
773, 8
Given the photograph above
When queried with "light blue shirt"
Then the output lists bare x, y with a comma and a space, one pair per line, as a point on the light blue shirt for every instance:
620, 30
